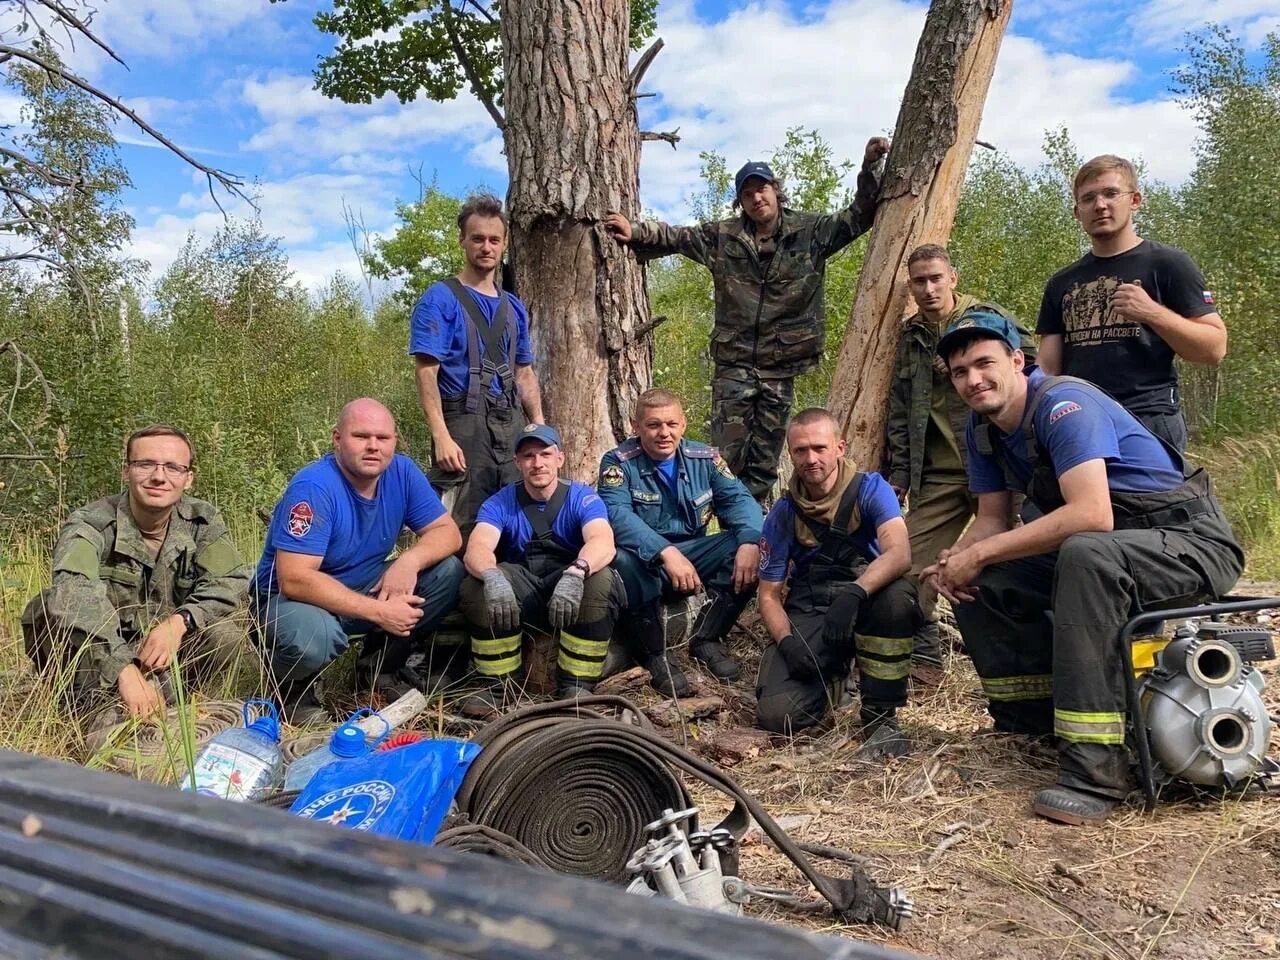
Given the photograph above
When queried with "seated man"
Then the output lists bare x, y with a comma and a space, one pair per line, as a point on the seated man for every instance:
142, 580
324, 576
1124, 529
661, 491
842, 535
556, 544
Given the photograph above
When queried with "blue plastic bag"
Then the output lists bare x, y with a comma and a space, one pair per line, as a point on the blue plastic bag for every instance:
403, 793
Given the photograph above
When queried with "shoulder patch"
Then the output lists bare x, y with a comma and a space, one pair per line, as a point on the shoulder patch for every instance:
612, 476
629, 449
721, 465
301, 517
699, 451
764, 553
1061, 409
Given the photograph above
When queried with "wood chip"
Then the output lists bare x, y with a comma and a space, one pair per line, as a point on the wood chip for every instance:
735, 745
632, 679
671, 714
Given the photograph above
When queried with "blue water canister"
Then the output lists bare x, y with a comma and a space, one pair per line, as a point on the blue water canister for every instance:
242, 763
347, 742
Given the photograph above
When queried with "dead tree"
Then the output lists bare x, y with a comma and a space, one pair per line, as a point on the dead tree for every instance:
934, 135
573, 154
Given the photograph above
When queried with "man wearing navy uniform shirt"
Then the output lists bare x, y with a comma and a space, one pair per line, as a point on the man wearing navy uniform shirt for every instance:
476, 383
839, 538
324, 577
539, 554
1120, 314
1123, 529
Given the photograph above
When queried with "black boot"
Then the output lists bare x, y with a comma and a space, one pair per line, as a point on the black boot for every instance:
642, 631
1071, 806
569, 687
489, 697
714, 621
882, 738
300, 703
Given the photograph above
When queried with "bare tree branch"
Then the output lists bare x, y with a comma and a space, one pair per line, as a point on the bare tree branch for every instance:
469, 68
50, 177
227, 181
482, 10
82, 26
646, 58
670, 136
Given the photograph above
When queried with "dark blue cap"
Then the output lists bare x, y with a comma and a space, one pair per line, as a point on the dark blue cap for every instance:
753, 168
540, 431
978, 318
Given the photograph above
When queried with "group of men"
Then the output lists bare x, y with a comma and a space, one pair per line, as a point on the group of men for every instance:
1048, 503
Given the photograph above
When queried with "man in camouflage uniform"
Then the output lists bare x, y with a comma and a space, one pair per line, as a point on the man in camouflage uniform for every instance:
767, 265
141, 580
926, 447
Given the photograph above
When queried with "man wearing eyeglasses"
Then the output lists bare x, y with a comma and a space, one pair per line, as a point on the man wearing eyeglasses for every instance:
142, 580
1120, 314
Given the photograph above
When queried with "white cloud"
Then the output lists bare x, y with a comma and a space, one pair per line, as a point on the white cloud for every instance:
735, 86
1166, 21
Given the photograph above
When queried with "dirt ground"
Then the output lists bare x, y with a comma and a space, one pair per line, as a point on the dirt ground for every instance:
1198, 879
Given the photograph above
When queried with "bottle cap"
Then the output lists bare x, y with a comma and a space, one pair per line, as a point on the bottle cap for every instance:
348, 741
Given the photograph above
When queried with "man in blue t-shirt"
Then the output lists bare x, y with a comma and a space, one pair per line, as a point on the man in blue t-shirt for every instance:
324, 577
839, 539
1122, 530
540, 554
470, 343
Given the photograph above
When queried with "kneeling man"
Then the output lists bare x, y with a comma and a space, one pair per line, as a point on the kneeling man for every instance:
324, 578
555, 544
1124, 529
141, 579
838, 538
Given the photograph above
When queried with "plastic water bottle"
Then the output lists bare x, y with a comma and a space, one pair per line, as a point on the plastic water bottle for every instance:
242, 763
346, 743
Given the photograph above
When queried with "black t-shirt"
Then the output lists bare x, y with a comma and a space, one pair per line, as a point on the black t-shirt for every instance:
1130, 361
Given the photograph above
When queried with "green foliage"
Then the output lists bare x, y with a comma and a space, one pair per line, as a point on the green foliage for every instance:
423, 249
410, 47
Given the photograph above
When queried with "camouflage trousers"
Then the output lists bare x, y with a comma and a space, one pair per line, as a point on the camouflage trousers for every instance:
749, 414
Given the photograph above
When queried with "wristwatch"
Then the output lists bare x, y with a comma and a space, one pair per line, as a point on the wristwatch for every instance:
189, 621
580, 564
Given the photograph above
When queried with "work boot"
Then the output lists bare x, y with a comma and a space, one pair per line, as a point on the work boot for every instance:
300, 703
490, 697
713, 623
667, 678
1071, 806
569, 687
882, 738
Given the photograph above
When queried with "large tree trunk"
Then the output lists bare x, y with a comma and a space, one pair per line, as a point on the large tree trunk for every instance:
573, 152
934, 136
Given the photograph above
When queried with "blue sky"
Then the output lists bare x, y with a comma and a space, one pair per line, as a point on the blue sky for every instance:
232, 81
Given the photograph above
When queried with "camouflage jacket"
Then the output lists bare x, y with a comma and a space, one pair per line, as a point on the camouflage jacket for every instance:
106, 585
770, 314
911, 396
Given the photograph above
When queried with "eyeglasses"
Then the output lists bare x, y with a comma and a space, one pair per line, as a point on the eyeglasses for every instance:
174, 470
1110, 195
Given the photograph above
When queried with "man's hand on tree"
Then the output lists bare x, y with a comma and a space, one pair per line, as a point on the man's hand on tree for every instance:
877, 147
682, 574
619, 226
504, 608
448, 455
161, 644
400, 614
139, 695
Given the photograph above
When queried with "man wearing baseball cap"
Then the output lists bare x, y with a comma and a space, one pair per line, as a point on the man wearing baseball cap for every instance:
1126, 527
767, 264
539, 554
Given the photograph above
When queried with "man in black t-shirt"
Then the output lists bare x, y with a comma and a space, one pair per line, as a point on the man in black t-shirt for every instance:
1120, 314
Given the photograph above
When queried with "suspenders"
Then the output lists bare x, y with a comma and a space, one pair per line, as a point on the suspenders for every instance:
496, 361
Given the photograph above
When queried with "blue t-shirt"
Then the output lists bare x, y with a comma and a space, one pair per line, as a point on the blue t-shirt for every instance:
438, 329
321, 515
667, 471
877, 504
502, 510
1075, 425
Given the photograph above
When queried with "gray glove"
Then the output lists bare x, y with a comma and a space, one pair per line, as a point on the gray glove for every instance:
566, 598
504, 608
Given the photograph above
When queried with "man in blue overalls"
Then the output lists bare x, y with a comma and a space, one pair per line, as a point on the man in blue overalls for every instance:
539, 554
662, 491
476, 383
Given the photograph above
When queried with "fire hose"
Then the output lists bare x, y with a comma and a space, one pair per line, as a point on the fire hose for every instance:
477, 838
577, 786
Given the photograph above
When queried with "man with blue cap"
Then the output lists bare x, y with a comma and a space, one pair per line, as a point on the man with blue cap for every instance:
1125, 527
539, 554
767, 265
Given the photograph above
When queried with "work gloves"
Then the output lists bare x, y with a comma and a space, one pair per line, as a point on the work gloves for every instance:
504, 608
801, 659
842, 617
566, 598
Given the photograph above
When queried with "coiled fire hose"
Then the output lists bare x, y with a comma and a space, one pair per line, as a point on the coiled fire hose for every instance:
576, 781
477, 838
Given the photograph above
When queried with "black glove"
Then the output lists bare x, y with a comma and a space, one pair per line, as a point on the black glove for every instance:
842, 616
801, 659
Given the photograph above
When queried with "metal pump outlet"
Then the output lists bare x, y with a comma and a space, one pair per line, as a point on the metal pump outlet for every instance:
1203, 704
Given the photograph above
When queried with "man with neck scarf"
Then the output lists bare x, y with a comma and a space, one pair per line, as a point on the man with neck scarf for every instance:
841, 534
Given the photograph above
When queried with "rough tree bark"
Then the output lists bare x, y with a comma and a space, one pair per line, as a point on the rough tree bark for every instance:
936, 128
573, 154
